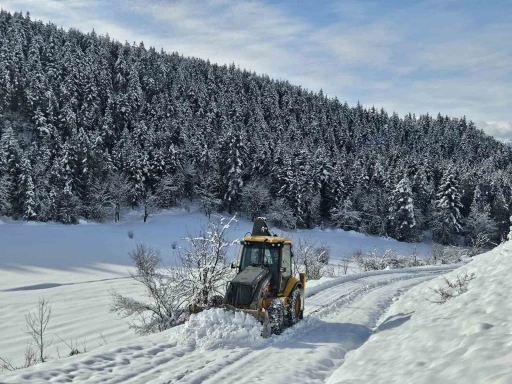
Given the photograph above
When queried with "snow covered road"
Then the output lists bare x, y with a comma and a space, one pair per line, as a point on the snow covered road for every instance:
340, 316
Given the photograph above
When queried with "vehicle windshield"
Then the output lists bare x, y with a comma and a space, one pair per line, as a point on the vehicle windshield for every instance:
252, 255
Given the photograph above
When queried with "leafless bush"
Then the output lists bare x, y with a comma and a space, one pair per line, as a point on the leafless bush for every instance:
324, 254
104, 340
74, 348
30, 360
479, 244
204, 267
436, 253
357, 256
453, 288
453, 255
199, 277
313, 258
130, 234
387, 259
36, 324
345, 262
165, 307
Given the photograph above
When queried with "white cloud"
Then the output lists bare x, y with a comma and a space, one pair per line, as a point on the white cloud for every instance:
501, 130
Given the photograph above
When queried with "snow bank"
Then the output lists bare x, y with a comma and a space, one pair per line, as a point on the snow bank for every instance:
468, 339
324, 283
217, 328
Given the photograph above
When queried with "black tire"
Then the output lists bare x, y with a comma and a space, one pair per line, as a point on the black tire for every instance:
276, 316
294, 308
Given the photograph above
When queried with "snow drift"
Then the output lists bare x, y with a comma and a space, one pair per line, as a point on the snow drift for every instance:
468, 339
217, 328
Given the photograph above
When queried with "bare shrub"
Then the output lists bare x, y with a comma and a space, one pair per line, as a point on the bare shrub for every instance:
388, 259
198, 279
479, 244
165, 306
204, 266
345, 262
453, 288
30, 360
453, 255
324, 254
313, 258
436, 253
36, 324
74, 348
357, 256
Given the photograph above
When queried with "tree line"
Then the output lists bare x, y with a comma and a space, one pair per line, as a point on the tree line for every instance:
89, 126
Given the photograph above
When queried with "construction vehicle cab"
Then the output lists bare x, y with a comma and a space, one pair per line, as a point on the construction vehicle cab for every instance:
265, 285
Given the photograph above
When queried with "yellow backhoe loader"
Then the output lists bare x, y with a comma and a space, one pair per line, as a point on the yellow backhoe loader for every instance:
265, 285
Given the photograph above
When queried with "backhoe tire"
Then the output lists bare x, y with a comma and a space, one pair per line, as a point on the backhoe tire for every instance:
294, 310
276, 316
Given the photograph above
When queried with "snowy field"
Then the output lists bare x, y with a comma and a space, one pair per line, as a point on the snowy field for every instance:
76, 266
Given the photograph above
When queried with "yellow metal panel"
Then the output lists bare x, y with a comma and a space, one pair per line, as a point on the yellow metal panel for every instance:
267, 239
289, 286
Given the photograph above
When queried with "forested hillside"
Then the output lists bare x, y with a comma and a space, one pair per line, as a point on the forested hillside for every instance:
90, 125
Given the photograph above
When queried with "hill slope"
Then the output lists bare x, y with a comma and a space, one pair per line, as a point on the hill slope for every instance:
89, 124
466, 340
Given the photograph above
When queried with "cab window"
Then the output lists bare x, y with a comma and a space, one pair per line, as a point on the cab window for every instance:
287, 261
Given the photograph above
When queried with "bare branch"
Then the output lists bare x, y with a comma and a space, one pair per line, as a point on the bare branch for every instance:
36, 324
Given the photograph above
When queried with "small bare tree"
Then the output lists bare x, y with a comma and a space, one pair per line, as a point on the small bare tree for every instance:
453, 288
204, 266
479, 243
108, 196
345, 262
311, 257
30, 360
166, 305
36, 324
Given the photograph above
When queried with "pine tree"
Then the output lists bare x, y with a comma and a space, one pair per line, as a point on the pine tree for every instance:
401, 220
5, 205
479, 226
446, 217
232, 167
26, 191
179, 127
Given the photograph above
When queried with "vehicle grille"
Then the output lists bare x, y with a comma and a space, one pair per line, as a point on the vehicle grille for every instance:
239, 294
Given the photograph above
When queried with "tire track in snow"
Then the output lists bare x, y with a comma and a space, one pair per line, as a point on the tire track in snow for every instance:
337, 320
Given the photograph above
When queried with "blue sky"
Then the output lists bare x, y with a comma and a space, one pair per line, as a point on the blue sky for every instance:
448, 56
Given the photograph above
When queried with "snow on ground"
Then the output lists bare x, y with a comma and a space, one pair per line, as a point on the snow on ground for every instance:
75, 267
51, 253
218, 328
468, 339
223, 347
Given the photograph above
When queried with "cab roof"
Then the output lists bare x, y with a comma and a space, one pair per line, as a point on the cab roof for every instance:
268, 239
